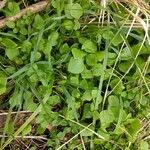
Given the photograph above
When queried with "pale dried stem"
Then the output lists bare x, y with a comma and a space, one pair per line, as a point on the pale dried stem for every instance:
21, 112
28, 137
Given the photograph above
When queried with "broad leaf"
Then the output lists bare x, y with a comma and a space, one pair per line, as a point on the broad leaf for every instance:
76, 11
52, 39
9, 43
133, 126
87, 95
91, 59
74, 81
13, 8
143, 50
26, 46
97, 69
28, 99
87, 113
77, 53
108, 35
89, 46
12, 53
10, 24
126, 54
143, 145
124, 66
53, 100
106, 117
114, 106
68, 24
75, 66
87, 74
87, 132
64, 48
113, 101
117, 86
76, 25
67, 11
100, 55
38, 22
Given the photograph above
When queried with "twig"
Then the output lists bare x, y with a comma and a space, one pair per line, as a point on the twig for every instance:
33, 8
147, 137
2, 4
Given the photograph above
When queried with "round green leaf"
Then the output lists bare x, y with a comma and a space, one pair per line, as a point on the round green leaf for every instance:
12, 53
97, 69
100, 55
64, 48
143, 145
91, 59
124, 66
106, 117
67, 10
89, 46
77, 53
108, 35
112, 55
13, 8
117, 86
113, 101
68, 24
75, 66
10, 24
9, 43
26, 46
76, 11
87, 74
38, 22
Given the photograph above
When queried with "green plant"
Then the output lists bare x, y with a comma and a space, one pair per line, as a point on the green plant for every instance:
89, 82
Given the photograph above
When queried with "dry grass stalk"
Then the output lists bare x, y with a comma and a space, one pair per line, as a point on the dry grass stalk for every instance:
144, 7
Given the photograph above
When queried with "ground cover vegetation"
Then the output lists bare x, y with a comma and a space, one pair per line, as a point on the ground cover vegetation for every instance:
75, 74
